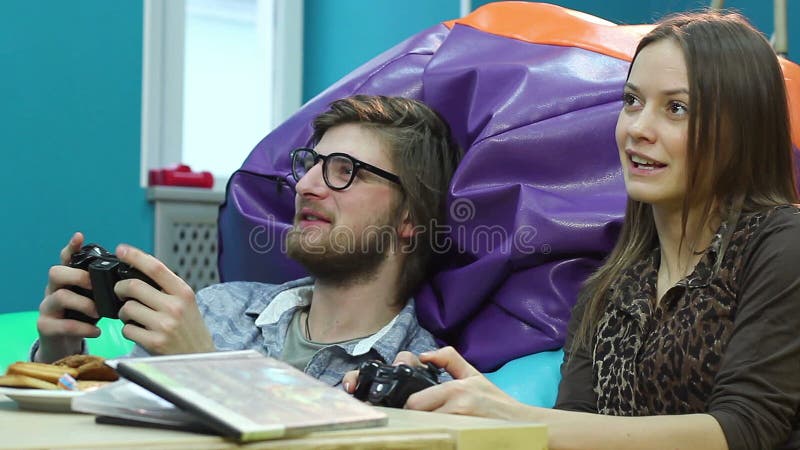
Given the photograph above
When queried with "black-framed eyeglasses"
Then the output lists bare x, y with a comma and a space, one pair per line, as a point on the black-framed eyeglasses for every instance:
338, 169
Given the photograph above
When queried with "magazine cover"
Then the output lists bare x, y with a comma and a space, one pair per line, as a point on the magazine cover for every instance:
243, 394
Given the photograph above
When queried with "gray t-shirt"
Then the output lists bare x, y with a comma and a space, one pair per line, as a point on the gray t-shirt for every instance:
297, 350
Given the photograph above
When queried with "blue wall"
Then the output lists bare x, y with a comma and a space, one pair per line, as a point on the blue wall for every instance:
341, 35
70, 94
759, 12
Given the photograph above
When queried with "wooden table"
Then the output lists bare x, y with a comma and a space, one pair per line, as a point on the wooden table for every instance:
20, 429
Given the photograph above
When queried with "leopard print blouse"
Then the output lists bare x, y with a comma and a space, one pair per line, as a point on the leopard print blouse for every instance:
662, 359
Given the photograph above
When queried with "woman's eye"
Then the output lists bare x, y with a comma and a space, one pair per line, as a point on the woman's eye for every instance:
678, 108
629, 99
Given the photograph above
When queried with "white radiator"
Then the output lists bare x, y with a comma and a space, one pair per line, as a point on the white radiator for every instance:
186, 232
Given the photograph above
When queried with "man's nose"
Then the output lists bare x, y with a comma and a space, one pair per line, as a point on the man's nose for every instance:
312, 183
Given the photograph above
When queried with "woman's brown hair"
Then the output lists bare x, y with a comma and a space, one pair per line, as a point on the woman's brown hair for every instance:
739, 150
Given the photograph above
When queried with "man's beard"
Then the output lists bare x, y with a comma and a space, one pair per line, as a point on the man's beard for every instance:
342, 256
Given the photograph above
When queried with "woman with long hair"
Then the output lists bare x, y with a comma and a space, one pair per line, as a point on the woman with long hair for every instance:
688, 336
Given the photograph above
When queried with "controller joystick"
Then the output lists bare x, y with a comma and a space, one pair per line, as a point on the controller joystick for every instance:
385, 385
105, 270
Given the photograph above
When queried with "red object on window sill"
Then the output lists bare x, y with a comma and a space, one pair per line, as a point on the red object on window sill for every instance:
180, 175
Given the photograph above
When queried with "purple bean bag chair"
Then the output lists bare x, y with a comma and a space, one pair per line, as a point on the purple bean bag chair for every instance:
532, 93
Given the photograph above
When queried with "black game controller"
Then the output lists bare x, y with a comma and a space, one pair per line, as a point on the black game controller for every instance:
385, 385
105, 270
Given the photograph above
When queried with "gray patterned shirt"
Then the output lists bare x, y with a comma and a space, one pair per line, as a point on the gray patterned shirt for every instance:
244, 315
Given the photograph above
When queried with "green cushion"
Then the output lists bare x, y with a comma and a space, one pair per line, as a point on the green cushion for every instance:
19, 330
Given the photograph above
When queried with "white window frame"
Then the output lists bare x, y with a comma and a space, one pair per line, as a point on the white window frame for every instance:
465, 7
162, 77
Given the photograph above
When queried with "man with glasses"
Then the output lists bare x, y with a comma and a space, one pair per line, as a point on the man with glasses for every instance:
370, 193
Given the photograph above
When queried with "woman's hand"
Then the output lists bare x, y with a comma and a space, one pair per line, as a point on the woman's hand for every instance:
470, 393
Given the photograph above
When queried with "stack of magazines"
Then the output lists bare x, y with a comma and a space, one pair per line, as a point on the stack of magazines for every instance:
243, 395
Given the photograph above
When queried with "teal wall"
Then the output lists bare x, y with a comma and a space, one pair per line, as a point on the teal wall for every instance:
70, 94
759, 12
340, 35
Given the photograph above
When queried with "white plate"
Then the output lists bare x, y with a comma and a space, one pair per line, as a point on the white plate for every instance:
41, 399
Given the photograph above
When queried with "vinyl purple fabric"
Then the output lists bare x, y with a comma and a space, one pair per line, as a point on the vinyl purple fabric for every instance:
534, 207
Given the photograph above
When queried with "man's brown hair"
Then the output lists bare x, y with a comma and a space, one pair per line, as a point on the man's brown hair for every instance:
424, 155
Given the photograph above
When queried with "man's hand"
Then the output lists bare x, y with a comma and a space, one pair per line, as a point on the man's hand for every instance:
162, 322
59, 337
